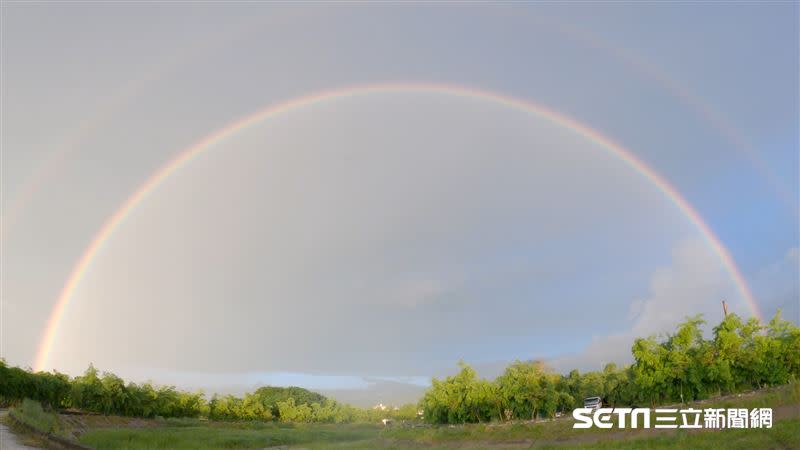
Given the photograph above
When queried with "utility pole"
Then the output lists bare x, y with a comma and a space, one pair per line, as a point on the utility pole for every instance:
725, 308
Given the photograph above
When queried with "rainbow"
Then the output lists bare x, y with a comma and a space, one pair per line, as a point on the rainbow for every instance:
704, 110
186, 156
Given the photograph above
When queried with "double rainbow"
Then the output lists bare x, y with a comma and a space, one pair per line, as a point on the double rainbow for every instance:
186, 156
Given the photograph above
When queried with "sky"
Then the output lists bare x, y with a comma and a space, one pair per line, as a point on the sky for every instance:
365, 243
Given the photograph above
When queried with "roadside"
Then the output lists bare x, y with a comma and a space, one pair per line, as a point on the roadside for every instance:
12, 441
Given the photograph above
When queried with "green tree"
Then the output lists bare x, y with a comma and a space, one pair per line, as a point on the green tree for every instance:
523, 389
680, 363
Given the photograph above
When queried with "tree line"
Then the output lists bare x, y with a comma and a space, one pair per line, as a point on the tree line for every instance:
108, 394
679, 367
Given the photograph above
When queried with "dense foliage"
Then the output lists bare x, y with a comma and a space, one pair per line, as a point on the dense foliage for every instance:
684, 366
51, 389
107, 393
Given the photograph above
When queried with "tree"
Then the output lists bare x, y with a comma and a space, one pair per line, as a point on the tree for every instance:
682, 350
460, 398
87, 391
649, 369
291, 412
524, 388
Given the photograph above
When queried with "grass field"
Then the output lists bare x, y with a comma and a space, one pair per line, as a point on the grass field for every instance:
108, 433
214, 437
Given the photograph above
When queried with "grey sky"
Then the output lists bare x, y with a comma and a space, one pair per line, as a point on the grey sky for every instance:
389, 235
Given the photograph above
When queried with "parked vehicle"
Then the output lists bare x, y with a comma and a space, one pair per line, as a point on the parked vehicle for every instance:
593, 402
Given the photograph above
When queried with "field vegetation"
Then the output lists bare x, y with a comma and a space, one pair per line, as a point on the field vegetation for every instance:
521, 406
555, 433
30, 413
677, 368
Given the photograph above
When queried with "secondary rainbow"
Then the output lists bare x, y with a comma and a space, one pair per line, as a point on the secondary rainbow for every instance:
186, 156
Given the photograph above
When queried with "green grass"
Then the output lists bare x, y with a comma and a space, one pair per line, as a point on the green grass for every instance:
537, 432
201, 434
780, 396
784, 434
238, 436
31, 413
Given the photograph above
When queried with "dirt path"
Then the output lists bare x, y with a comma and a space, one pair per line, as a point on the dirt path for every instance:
8, 441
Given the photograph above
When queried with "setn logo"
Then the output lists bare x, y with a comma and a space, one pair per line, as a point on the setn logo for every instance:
714, 418
602, 417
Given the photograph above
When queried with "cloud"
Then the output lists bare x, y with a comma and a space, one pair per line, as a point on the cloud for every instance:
693, 283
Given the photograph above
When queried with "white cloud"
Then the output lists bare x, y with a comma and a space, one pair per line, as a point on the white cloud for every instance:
694, 283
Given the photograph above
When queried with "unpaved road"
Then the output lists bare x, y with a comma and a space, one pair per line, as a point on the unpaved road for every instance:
7, 440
